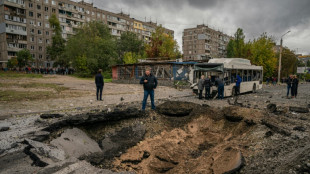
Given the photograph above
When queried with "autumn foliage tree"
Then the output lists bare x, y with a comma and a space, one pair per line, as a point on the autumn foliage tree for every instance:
162, 45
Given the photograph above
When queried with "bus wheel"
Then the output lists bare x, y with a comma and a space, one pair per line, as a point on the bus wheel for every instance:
254, 88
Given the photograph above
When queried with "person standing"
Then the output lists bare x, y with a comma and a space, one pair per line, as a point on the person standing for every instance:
208, 85
295, 86
238, 83
149, 82
220, 88
201, 86
99, 84
289, 85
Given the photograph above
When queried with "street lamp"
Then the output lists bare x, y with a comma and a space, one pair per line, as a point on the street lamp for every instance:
279, 71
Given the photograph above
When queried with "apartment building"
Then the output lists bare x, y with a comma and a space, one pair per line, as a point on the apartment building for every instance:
203, 43
24, 24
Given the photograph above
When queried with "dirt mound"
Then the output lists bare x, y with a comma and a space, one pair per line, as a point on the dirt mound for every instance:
209, 143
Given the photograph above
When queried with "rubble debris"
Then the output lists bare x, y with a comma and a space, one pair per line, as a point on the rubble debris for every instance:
299, 109
272, 107
299, 128
48, 116
275, 127
2, 129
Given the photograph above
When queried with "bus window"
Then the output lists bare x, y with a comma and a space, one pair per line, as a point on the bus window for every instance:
245, 75
255, 75
250, 73
233, 76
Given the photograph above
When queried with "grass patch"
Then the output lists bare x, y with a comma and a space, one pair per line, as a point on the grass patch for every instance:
55, 87
10, 95
19, 75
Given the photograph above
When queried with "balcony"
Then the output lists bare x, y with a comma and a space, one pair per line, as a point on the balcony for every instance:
6, 2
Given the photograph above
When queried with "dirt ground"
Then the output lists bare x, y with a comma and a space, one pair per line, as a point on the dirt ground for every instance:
75, 93
262, 132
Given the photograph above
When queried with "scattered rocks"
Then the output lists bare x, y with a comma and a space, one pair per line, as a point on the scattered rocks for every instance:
48, 116
2, 129
299, 109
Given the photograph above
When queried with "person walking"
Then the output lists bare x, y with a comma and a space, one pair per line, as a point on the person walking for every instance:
295, 85
149, 82
220, 88
208, 85
201, 86
289, 85
99, 84
238, 84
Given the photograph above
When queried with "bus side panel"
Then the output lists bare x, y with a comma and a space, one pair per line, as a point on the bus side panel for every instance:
228, 90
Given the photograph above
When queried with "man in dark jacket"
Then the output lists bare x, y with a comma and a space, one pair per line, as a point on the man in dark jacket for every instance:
99, 84
294, 89
149, 82
208, 85
289, 85
237, 87
220, 88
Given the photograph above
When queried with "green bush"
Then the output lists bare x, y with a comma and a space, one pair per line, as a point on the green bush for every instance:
107, 75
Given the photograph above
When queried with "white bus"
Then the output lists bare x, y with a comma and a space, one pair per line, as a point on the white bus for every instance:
227, 69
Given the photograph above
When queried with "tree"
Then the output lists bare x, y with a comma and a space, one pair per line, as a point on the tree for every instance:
12, 62
131, 44
237, 47
58, 43
230, 49
92, 48
288, 63
23, 57
308, 63
162, 45
262, 54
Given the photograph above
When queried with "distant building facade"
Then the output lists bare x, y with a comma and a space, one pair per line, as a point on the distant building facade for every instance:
202, 43
24, 24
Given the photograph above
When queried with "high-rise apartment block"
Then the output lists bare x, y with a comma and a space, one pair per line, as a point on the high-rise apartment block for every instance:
203, 43
24, 24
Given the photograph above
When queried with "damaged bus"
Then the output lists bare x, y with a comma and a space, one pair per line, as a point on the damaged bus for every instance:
227, 69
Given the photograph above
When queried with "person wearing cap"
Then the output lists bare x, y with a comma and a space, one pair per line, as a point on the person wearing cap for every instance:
149, 82
99, 84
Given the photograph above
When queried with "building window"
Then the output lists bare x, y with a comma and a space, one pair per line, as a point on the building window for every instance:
32, 47
39, 24
39, 32
40, 48
39, 7
31, 14
47, 25
30, 5
40, 40
39, 15
47, 33
46, 1
32, 39
47, 41
46, 17
53, 2
46, 9
53, 10
92, 13
32, 31
33, 56
40, 56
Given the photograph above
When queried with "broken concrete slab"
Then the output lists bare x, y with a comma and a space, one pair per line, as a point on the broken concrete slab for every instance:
43, 154
48, 116
76, 143
299, 109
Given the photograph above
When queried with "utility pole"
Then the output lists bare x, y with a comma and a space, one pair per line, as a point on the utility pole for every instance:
280, 57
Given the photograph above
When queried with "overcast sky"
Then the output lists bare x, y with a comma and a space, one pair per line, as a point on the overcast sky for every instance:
275, 17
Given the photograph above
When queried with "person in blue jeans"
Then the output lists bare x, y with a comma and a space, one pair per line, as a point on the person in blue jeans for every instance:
237, 87
220, 88
149, 82
289, 85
